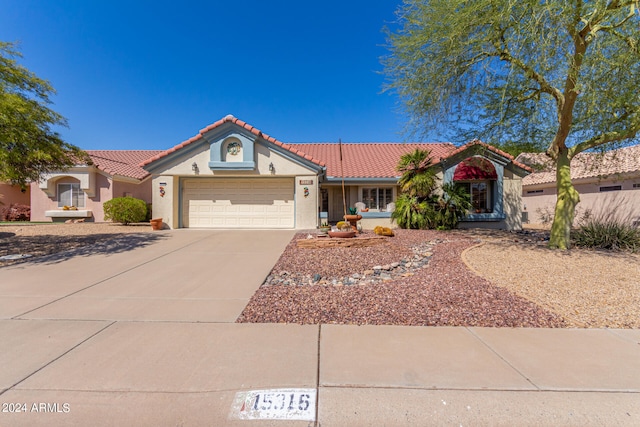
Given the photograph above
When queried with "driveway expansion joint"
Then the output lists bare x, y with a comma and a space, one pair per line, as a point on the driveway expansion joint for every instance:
111, 277
502, 358
59, 357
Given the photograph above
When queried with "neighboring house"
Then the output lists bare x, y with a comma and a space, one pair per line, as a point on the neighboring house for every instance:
10, 194
231, 175
607, 182
112, 173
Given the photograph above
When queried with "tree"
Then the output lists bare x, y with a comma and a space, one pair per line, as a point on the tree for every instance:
559, 75
414, 206
29, 148
418, 205
417, 179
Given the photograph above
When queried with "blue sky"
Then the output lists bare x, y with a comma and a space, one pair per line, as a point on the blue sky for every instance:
150, 74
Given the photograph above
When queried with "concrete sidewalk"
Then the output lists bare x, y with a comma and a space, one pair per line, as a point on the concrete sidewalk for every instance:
147, 338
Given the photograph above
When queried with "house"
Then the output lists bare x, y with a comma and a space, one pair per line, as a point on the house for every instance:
12, 194
112, 173
232, 175
606, 182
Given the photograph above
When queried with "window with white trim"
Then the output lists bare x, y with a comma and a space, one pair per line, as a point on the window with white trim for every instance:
377, 198
480, 192
70, 195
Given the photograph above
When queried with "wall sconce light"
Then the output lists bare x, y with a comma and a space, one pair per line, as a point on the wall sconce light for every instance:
194, 167
272, 168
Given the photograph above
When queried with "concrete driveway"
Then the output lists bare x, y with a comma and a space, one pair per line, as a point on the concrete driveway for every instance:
145, 337
187, 275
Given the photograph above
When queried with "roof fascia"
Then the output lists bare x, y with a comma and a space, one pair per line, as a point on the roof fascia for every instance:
221, 132
367, 181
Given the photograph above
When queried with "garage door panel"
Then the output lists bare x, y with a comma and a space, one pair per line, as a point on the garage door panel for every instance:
238, 203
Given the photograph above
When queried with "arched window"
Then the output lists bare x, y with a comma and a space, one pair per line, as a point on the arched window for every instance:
478, 176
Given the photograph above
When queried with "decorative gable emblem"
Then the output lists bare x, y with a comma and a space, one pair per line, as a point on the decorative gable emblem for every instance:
233, 148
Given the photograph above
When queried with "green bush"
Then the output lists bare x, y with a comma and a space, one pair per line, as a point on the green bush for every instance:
412, 212
608, 232
125, 210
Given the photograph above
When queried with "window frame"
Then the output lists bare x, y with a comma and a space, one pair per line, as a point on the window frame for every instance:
608, 188
76, 193
378, 207
489, 203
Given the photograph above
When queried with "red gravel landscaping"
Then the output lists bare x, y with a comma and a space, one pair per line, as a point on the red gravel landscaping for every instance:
428, 285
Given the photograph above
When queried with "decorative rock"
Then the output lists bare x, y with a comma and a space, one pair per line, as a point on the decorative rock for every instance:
317, 277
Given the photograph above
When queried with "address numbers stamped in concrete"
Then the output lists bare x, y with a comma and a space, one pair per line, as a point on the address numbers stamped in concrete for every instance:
275, 404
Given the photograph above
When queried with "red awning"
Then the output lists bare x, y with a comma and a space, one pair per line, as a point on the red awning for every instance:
475, 168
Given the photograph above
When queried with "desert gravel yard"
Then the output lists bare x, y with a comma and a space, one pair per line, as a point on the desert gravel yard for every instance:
461, 278
38, 240
589, 289
472, 278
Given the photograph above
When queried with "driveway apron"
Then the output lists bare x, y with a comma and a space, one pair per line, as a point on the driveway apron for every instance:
205, 276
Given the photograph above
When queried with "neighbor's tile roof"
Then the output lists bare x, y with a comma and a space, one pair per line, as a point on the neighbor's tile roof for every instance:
231, 119
369, 160
584, 165
122, 162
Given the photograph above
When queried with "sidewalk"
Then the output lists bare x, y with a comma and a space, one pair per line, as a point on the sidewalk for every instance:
128, 346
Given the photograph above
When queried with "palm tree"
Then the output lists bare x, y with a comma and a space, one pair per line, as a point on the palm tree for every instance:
417, 179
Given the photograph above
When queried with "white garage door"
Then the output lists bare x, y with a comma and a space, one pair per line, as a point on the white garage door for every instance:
238, 203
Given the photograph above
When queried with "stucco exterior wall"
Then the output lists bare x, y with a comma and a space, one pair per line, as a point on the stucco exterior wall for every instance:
306, 206
165, 200
625, 202
268, 164
40, 202
13, 194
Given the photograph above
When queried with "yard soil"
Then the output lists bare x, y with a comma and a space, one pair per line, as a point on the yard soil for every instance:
464, 278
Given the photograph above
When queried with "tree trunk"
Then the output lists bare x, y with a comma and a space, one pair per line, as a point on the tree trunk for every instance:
566, 203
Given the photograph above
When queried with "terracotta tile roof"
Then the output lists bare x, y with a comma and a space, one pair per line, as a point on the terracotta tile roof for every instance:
122, 162
369, 160
495, 150
231, 119
584, 165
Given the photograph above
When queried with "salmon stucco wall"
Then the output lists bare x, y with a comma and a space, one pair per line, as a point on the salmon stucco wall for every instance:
13, 194
625, 203
41, 202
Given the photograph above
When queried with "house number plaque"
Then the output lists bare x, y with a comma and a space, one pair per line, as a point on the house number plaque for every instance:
306, 182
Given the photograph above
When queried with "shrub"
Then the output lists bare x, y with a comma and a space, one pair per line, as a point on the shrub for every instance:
16, 212
608, 231
451, 207
412, 212
125, 210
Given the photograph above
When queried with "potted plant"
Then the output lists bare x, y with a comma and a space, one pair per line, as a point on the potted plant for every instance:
343, 230
324, 228
352, 218
156, 224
